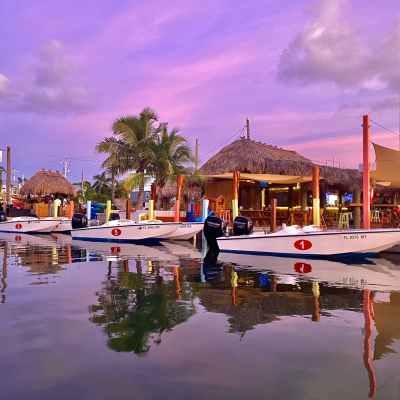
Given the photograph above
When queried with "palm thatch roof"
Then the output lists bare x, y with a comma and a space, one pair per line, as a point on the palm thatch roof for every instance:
249, 156
44, 183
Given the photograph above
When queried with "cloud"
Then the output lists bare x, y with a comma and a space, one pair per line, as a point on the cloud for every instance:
4, 81
330, 49
52, 88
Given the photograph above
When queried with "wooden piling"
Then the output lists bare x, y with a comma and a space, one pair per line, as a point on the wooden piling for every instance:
316, 199
274, 204
235, 196
179, 189
366, 174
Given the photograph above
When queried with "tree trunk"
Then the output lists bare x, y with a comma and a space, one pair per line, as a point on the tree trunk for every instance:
112, 186
140, 198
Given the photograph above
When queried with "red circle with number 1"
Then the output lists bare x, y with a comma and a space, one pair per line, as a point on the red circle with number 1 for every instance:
18, 226
302, 244
116, 232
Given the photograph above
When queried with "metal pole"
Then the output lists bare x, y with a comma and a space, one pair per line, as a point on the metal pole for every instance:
8, 176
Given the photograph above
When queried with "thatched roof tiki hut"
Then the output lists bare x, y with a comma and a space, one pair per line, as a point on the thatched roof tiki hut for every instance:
279, 173
46, 183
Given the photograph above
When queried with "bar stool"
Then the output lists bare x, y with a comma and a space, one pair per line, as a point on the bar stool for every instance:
344, 220
375, 217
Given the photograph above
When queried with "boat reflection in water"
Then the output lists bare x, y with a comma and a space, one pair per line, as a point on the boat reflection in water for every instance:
315, 322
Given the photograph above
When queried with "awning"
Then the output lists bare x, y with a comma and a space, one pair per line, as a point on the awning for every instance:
387, 167
270, 178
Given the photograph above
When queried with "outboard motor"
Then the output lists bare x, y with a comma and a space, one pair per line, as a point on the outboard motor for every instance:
114, 216
3, 216
213, 228
79, 221
242, 226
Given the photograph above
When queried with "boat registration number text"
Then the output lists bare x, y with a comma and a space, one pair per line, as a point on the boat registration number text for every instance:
354, 237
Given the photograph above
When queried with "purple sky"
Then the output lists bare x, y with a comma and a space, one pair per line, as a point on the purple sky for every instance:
304, 72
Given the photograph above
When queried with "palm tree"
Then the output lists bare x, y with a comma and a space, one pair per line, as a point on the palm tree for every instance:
102, 183
117, 159
170, 154
138, 134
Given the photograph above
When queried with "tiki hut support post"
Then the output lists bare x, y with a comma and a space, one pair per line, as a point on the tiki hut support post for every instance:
357, 209
316, 207
179, 188
235, 197
274, 204
366, 174
55, 209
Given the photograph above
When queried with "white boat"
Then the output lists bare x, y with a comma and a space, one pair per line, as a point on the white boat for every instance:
184, 230
127, 250
27, 225
313, 243
125, 231
63, 224
378, 274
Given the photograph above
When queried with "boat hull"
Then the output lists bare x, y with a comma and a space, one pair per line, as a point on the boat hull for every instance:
313, 244
63, 225
131, 233
185, 231
22, 225
377, 274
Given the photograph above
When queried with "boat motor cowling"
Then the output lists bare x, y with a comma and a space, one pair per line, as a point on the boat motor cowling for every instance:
242, 226
3, 216
79, 221
214, 227
114, 217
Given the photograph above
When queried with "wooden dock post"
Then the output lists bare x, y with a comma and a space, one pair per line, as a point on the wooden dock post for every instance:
274, 204
108, 210
179, 188
235, 197
316, 200
366, 174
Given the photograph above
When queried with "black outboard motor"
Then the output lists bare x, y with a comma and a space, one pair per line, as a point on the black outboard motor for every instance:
213, 228
242, 226
3, 216
79, 221
114, 216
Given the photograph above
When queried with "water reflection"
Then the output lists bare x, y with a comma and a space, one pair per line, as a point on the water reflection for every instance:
141, 302
144, 295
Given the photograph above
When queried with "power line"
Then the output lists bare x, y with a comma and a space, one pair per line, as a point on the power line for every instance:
384, 127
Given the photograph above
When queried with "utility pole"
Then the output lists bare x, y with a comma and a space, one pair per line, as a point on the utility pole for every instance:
8, 176
248, 129
82, 181
66, 167
196, 156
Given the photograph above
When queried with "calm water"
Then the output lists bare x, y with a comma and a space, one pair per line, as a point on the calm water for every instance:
82, 321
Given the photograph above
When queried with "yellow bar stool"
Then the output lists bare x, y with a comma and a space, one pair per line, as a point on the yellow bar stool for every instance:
375, 217
344, 220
